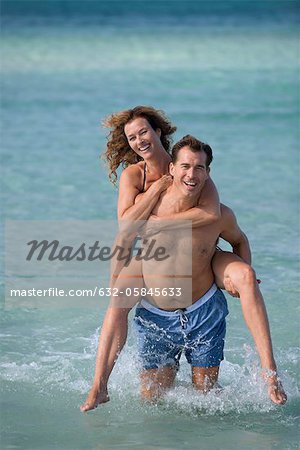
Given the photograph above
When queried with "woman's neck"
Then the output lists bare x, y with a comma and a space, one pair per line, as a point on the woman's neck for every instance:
159, 166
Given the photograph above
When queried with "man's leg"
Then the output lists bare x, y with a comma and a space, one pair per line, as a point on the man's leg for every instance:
204, 378
230, 270
155, 382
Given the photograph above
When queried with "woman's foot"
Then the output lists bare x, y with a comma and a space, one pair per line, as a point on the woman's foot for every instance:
275, 389
95, 397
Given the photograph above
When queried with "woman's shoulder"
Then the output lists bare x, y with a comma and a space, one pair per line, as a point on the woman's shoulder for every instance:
133, 174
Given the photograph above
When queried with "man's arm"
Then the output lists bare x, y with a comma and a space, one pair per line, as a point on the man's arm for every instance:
234, 235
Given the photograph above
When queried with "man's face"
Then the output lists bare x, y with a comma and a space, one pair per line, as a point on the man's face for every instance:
141, 137
189, 172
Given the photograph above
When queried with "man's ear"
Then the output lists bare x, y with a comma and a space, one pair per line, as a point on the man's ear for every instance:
208, 171
158, 132
171, 168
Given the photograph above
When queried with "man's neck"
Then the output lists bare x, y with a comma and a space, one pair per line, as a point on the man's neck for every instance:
180, 202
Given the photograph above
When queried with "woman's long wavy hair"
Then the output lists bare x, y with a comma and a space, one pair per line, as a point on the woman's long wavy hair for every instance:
118, 150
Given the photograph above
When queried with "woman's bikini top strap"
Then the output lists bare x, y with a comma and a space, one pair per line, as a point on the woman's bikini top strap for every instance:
144, 178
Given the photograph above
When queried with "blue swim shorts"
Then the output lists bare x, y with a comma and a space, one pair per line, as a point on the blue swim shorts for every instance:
197, 331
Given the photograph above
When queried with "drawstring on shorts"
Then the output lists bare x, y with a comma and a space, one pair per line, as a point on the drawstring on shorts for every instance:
182, 317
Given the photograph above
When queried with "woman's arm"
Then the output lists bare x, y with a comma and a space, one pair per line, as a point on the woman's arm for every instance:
206, 212
130, 185
133, 213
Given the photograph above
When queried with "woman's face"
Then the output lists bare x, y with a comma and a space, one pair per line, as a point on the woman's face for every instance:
142, 138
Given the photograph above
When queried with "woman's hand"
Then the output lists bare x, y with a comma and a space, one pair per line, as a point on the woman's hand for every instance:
162, 183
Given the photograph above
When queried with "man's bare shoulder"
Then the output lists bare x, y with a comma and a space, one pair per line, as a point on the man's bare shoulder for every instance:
227, 215
225, 210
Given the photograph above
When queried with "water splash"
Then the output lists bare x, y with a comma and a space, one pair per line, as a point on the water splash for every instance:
243, 390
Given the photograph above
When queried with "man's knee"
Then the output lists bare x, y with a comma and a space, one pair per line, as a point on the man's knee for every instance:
204, 379
151, 389
151, 394
154, 382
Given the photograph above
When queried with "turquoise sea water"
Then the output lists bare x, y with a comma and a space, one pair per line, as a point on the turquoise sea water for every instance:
227, 74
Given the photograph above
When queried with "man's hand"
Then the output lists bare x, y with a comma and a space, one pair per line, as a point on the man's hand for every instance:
230, 288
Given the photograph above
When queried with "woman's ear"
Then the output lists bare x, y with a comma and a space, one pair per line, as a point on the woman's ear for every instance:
158, 132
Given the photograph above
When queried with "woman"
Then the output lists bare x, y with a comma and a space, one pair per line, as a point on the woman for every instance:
140, 142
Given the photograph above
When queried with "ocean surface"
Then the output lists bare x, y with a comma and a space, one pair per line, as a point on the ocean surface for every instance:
227, 72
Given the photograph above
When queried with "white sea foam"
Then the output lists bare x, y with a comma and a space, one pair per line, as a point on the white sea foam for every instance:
243, 390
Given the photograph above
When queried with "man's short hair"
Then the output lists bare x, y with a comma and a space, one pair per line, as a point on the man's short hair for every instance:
195, 145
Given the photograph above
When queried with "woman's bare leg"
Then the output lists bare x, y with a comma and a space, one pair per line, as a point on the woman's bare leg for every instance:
113, 334
111, 341
230, 270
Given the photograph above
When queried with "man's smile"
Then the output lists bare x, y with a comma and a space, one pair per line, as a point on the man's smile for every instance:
190, 184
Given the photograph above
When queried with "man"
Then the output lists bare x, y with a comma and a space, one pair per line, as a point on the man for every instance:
197, 330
